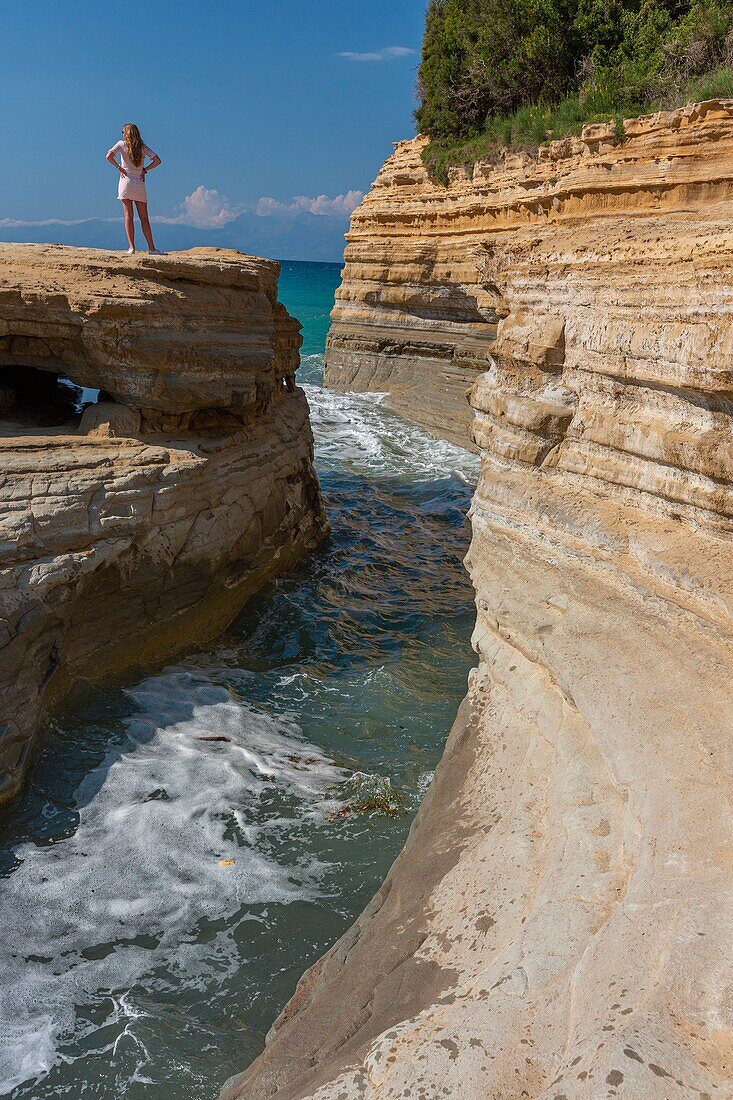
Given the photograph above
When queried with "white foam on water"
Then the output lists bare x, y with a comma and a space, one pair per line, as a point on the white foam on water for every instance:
357, 430
124, 892
88, 916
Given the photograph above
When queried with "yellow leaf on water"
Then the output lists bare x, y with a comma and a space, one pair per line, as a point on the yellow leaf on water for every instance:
227, 862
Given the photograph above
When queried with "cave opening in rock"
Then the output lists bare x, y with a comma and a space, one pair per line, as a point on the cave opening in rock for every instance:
34, 398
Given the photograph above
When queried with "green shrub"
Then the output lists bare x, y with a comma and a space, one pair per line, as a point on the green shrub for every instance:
511, 72
482, 57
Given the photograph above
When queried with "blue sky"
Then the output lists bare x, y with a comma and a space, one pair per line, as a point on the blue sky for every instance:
245, 101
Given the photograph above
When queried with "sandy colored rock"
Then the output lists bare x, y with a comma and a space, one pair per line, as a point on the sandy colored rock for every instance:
175, 335
432, 272
118, 544
109, 419
559, 923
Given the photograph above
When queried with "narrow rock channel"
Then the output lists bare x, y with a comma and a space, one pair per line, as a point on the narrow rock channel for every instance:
192, 840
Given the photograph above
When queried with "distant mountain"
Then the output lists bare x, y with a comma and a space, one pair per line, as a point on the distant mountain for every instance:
302, 236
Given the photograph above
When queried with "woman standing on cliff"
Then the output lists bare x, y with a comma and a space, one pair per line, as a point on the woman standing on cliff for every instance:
131, 188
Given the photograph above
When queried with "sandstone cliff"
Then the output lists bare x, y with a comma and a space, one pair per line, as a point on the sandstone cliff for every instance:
559, 923
141, 526
425, 280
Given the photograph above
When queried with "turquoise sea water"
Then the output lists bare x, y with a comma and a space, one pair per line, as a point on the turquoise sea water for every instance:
308, 291
297, 746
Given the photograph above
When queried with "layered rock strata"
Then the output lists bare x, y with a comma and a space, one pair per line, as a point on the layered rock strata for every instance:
424, 290
141, 525
559, 922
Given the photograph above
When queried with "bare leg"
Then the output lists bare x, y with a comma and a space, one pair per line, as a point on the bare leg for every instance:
129, 222
142, 211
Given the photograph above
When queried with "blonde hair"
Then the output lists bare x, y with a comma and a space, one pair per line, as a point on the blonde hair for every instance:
134, 143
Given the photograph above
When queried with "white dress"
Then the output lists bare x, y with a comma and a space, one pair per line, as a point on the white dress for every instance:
131, 186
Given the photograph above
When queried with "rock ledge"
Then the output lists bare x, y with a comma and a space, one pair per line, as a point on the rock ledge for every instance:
140, 526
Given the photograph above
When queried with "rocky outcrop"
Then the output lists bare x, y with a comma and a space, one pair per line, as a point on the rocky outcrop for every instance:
191, 340
141, 525
424, 282
559, 923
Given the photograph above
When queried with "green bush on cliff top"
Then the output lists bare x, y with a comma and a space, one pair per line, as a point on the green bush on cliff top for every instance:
513, 72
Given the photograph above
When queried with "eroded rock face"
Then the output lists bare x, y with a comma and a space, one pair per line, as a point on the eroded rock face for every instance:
559, 923
141, 526
177, 337
433, 273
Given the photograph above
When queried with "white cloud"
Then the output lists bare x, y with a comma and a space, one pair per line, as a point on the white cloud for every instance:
204, 209
387, 53
338, 206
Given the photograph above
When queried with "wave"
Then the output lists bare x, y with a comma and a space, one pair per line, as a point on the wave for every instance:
127, 891
237, 812
358, 431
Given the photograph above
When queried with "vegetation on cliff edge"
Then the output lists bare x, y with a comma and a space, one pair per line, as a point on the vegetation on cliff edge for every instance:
513, 73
